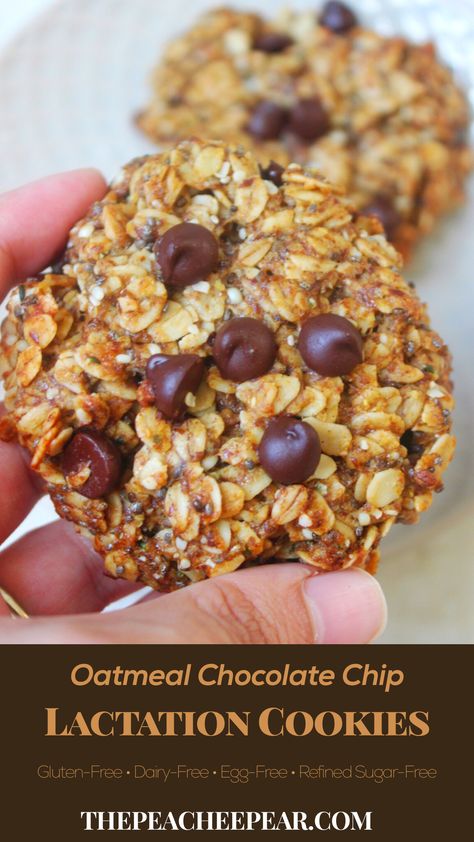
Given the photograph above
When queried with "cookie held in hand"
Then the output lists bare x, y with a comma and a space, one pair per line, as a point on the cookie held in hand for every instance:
227, 368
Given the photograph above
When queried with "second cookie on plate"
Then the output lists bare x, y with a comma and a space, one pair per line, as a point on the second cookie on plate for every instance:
379, 116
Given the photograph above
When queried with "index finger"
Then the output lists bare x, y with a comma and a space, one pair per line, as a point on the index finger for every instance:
35, 221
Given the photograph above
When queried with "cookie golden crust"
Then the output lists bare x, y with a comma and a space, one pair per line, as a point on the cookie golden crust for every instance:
393, 127
170, 483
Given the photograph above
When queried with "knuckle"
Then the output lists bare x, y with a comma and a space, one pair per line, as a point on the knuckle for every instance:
237, 617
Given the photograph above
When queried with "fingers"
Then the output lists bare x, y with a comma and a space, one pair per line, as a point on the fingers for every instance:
21, 489
35, 220
53, 570
286, 603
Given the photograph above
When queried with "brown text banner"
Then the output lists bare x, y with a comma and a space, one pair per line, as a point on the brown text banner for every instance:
203, 738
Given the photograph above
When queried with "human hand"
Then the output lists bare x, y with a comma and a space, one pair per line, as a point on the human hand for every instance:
56, 576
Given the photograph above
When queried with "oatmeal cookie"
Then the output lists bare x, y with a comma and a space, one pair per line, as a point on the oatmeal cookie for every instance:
225, 369
379, 116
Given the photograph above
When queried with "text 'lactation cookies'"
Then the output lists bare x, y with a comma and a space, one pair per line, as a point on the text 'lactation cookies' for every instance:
379, 116
227, 367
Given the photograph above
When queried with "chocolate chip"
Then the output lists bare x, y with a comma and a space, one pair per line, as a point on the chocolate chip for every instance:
309, 119
337, 17
289, 450
330, 345
187, 253
175, 100
171, 378
414, 445
273, 173
244, 348
267, 120
272, 42
90, 448
382, 208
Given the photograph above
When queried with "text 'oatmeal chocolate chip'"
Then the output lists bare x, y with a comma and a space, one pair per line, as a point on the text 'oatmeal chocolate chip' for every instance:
91, 449
330, 345
172, 378
273, 173
382, 208
309, 119
187, 253
337, 17
244, 348
290, 450
267, 120
272, 42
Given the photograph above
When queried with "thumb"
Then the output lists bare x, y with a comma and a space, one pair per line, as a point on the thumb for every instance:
282, 603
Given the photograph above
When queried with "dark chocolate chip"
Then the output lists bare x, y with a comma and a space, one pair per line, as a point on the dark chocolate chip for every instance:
382, 208
273, 173
330, 345
272, 42
244, 348
267, 120
171, 378
290, 450
309, 119
337, 17
413, 444
93, 449
187, 253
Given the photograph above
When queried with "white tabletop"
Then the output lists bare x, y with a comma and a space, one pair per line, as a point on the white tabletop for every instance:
16, 15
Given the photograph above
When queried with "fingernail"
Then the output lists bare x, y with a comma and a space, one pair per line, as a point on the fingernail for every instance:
347, 606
